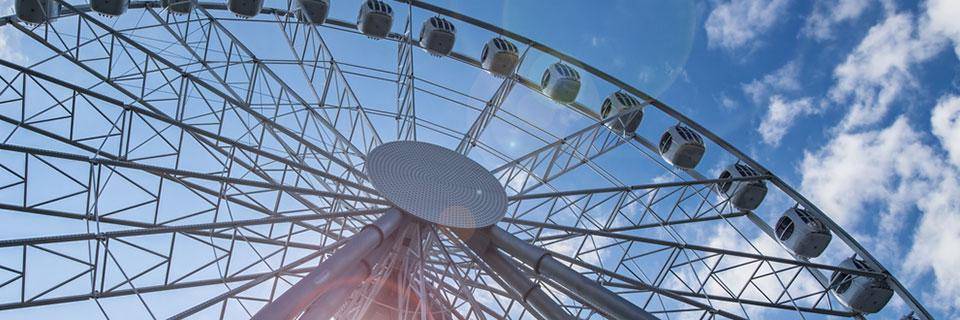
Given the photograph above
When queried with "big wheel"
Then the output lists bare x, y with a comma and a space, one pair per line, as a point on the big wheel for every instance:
277, 160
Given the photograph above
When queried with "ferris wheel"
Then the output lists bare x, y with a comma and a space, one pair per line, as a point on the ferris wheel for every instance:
274, 160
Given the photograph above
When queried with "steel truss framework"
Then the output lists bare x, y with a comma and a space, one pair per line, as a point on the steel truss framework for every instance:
187, 165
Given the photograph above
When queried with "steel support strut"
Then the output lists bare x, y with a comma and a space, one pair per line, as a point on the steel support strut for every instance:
525, 289
599, 298
328, 303
292, 302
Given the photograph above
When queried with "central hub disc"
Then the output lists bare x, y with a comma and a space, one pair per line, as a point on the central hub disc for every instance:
436, 184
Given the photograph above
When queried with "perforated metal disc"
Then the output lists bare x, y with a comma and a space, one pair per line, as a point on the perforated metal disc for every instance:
436, 184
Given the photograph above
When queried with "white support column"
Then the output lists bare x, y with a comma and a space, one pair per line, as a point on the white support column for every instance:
292, 302
598, 297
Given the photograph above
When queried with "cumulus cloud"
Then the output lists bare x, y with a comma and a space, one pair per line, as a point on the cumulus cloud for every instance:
879, 69
9, 47
887, 174
942, 20
781, 114
737, 23
878, 176
770, 91
945, 121
827, 14
786, 78
882, 177
877, 181
727, 103
857, 169
872, 76
934, 244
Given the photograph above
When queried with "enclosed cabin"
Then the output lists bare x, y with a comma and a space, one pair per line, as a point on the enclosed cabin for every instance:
375, 19
682, 147
437, 36
561, 83
179, 6
499, 57
627, 110
743, 194
245, 8
109, 8
803, 234
36, 11
861, 293
313, 11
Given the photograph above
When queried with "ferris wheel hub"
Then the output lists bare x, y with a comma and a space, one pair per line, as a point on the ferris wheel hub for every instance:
436, 184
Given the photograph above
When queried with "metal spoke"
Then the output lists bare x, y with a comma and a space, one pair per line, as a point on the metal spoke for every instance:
483, 120
406, 95
160, 154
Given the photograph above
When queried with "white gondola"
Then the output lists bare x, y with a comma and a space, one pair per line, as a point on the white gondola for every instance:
375, 19
36, 11
629, 112
860, 293
499, 57
437, 36
803, 234
743, 194
682, 147
313, 11
179, 6
561, 83
245, 8
110, 8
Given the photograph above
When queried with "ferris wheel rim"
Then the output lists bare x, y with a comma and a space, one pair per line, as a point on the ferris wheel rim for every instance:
782, 185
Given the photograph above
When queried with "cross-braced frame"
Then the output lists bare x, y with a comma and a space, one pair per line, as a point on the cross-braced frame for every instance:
176, 166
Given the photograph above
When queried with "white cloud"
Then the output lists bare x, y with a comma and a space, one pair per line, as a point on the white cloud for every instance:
9, 41
8, 48
770, 91
857, 169
942, 19
876, 181
945, 120
784, 79
737, 23
935, 245
874, 177
727, 103
870, 79
884, 176
828, 14
879, 69
780, 116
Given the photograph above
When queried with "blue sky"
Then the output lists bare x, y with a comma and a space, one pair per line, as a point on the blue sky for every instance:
854, 102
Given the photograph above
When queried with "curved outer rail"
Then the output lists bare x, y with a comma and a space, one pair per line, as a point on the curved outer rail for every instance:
783, 186
898, 287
